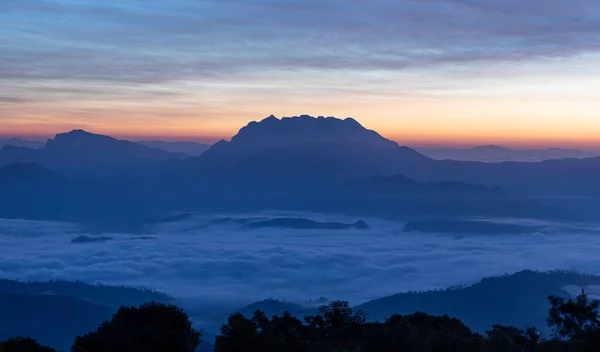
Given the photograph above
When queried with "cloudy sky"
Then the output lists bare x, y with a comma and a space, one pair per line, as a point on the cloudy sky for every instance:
419, 71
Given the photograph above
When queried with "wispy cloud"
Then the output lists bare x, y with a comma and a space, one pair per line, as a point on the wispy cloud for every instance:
225, 57
140, 42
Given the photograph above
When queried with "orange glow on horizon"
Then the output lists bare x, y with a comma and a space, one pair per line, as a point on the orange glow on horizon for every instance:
411, 137
547, 104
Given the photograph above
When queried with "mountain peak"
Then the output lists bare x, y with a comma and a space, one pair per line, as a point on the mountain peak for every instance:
78, 131
489, 147
289, 132
80, 134
352, 120
77, 139
93, 148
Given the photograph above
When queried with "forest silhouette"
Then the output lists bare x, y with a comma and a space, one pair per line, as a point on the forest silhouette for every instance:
159, 327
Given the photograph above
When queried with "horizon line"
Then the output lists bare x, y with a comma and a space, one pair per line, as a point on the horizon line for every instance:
415, 143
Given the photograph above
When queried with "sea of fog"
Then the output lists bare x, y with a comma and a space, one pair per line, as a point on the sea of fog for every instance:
228, 264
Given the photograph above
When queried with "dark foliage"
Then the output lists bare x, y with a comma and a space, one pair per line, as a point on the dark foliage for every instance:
157, 327
574, 317
151, 327
338, 328
20, 344
576, 322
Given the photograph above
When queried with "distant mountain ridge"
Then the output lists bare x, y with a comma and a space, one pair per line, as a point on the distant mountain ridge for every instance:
518, 299
184, 148
103, 295
31, 191
18, 142
80, 153
34, 192
494, 153
29, 175
102, 148
401, 186
491, 300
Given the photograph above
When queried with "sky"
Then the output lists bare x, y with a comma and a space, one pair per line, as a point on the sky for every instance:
421, 72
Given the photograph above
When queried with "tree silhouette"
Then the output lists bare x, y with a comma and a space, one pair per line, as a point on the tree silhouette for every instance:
576, 321
573, 317
510, 339
157, 327
337, 328
20, 344
151, 327
280, 333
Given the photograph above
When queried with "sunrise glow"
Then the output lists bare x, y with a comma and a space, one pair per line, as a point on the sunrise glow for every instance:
440, 84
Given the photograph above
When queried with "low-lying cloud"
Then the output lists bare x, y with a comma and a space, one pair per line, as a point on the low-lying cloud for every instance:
228, 264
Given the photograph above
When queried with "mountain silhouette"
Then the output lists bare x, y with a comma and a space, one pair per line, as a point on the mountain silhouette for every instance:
292, 156
298, 155
29, 175
398, 194
10, 154
308, 154
495, 153
102, 295
272, 133
297, 163
401, 186
31, 191
17, 142
519, 299
182, 148
80, 153
558, 178
78, 142
82, 150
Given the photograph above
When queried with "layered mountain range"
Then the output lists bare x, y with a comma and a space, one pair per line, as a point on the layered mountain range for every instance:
495, 153
294, 163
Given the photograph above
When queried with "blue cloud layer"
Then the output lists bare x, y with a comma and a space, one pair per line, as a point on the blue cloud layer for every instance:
226, 265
